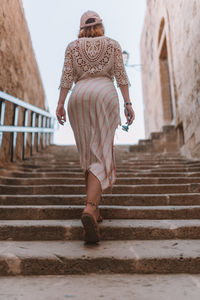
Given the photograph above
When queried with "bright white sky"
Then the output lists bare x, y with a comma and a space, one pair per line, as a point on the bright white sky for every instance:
55, 23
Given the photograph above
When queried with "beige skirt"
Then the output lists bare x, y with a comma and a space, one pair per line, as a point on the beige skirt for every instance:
94, 115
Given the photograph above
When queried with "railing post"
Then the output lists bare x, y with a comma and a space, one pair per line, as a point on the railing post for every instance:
32, 133
52, 133
25, 123
43, 126
38, 135
2, 115
43, 134
14, 134
47, 134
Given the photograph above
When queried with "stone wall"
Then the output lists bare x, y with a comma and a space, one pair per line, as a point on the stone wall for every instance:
170, 54
19, 75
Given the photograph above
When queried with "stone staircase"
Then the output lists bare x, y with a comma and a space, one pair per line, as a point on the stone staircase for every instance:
151, 219
168, 140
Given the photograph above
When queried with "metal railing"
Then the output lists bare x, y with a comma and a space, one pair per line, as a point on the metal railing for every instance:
42, 125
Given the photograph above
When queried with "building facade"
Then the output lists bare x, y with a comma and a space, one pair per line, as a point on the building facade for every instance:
170, 55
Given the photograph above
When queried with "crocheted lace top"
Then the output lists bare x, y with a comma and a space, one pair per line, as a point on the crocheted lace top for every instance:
93, 57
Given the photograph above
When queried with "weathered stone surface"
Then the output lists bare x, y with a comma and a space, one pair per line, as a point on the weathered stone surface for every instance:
122, 180
170, 56
76, 257
117, 189
61, 212
80, 189
19, 74
150, 220
102, 286
107, 199
110, 229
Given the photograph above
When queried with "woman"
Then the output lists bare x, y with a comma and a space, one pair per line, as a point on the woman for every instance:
93, 61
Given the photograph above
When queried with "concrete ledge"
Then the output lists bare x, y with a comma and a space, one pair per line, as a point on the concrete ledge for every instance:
117, 189
65, 212
115, 286
76, 257
120, 180
120, 229
107, 199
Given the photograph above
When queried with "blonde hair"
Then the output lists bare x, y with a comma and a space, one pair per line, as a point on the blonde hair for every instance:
92, 31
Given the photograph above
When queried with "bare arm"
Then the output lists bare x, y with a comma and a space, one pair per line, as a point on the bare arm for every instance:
125, 93
65, 85
63, 95
60, 111
123, 82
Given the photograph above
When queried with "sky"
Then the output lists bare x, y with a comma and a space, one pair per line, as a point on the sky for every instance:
55, 23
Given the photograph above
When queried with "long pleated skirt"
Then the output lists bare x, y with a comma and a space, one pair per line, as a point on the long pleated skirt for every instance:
94, 115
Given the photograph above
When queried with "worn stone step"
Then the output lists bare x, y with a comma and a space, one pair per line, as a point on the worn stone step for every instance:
107, 199
68, 164
132, 160
49, 166
120, 169
119, 189
98, 286
76, 257
118, 229
125, 168
177, 170
81, 174
77, 171
118, 165
106, 286
125, 159
65, 212
120, 180
192, 162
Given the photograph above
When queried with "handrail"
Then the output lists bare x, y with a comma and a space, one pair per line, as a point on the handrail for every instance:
42, 124
17, 101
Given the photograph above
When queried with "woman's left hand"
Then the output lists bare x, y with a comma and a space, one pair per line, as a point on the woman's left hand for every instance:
61, 114
130, 114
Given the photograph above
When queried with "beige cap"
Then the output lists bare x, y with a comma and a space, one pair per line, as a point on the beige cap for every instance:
88, 15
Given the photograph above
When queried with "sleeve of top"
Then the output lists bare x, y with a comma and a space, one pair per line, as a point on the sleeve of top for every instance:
67, 77
119, 69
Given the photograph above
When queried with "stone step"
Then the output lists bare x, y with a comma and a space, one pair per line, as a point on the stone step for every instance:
122, 169
120, 180
118, 165
151, 217
46, 230
106, 286
156, 166
76, 257
127, 157
152, 164
192, 162
117, 189
143, 173
66, 212
135, 159
107, 199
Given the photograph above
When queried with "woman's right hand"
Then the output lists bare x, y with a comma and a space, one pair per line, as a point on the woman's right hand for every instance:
130, 118
61, 114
